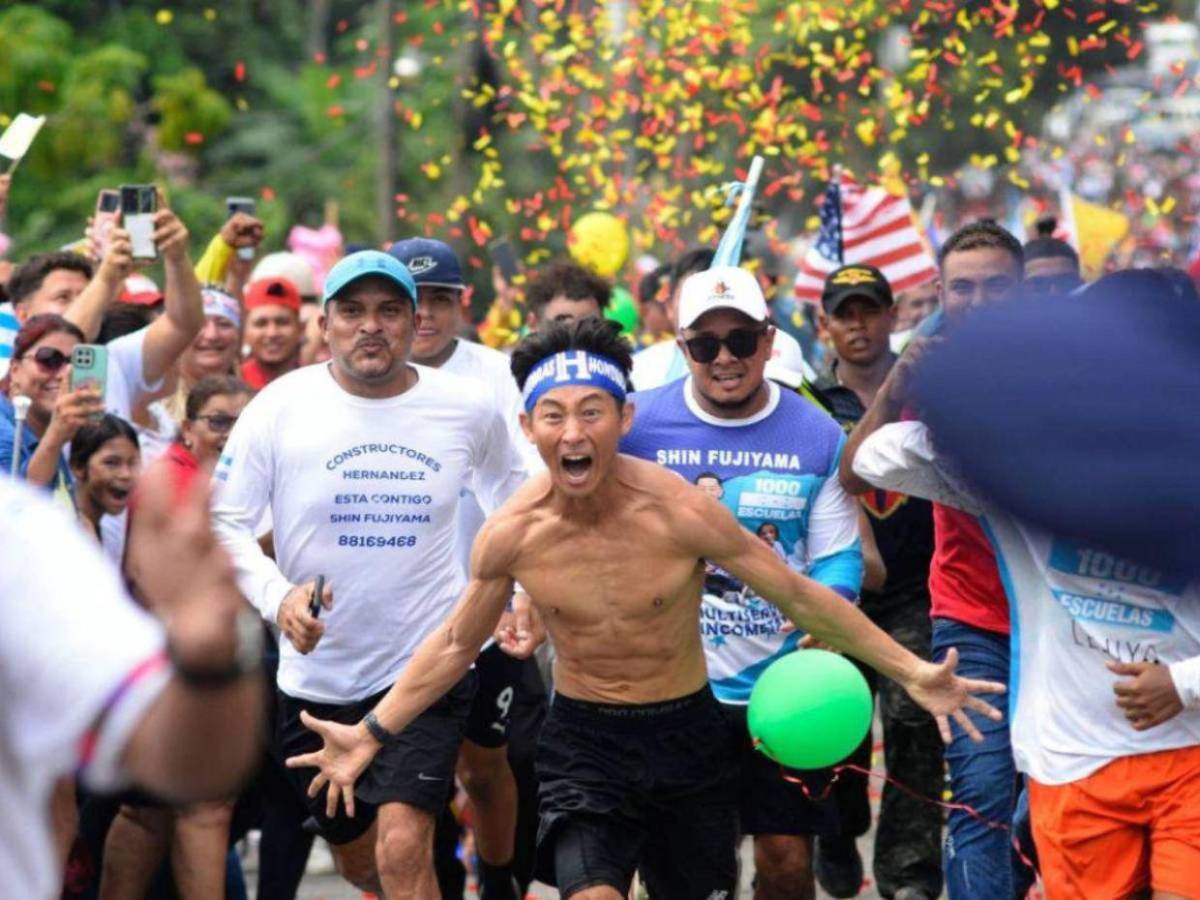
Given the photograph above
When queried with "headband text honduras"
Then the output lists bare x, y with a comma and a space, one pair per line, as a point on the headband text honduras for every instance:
574, 367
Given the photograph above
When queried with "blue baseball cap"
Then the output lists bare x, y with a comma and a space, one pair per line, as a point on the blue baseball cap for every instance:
368, 262
432, 263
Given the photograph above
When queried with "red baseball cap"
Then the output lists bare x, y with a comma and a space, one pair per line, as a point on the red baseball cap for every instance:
272, 292
140, 291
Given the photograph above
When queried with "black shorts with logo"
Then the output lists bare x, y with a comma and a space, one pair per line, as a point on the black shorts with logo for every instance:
769, 802
499, 677
629, 787
416, 768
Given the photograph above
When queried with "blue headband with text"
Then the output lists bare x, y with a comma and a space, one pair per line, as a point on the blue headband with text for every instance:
574, 368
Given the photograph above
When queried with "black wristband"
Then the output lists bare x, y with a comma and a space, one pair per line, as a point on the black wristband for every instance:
376, 728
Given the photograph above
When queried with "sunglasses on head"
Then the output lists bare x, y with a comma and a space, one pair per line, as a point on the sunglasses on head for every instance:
50, 358
219, 422
741, 342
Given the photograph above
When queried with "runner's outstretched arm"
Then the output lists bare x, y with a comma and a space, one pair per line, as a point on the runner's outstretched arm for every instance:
719, 538
436, 666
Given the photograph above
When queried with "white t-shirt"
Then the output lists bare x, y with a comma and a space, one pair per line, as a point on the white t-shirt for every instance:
1073, 608
125, 387
79, 665
126, 383
664, 362
366, 493
491, 368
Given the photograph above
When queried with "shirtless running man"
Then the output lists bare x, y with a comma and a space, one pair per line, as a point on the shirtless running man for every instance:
634, 762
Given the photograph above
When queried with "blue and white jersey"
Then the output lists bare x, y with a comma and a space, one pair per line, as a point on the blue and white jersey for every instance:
1074, 608
777, 473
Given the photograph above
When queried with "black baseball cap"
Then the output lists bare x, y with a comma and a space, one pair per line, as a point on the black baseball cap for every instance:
855, 281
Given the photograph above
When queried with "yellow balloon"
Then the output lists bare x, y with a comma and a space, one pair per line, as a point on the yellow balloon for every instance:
599, 242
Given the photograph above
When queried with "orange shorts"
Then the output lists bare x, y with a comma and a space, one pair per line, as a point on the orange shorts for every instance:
1131, 825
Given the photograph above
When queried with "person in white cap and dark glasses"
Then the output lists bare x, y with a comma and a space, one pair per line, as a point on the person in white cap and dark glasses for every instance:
362, 462
726, 420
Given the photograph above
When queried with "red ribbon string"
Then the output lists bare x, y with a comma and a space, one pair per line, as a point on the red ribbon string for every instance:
870, 773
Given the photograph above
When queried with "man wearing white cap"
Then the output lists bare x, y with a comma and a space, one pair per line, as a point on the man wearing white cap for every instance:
664, 362
362, 462
775, 457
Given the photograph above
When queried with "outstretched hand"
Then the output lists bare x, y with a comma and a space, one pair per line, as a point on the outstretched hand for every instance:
347, 752
946, 695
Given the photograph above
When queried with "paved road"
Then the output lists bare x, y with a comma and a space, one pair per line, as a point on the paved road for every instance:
331, 887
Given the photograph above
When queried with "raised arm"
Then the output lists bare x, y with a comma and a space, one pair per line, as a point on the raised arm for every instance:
87, 310
889, 403
901, 457
169, 335
714, 534
436, 666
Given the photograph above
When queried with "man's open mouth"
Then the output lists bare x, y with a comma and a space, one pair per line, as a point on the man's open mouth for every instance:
577, 465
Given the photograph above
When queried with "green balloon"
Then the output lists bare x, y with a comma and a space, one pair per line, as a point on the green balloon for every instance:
809, 709
623, 310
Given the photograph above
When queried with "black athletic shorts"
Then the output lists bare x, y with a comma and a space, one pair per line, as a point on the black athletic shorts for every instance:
628, 787
416, 768
768, 802
499, 678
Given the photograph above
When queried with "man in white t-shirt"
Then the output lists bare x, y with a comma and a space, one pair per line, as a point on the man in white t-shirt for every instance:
664, 362
1106, 691
92, 685
361, 462
483, 761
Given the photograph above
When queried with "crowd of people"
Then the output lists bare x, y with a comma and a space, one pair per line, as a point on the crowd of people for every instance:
311, 553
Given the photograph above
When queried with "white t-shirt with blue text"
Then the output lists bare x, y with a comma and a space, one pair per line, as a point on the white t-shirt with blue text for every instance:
365, 492
1074, 607
777, 470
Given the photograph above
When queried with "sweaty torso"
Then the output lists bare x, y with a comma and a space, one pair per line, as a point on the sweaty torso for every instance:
618, 593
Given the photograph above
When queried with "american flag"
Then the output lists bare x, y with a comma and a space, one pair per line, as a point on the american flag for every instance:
864, 226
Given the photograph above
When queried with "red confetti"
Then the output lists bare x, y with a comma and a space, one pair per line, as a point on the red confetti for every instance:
193, 138
239, 71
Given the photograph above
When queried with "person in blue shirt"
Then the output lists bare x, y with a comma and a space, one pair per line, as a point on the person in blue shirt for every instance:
771, 458
41, 354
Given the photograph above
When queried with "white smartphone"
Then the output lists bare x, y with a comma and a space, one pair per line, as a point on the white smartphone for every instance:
139, 202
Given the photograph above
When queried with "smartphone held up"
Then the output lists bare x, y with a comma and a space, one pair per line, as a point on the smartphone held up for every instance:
235, 205
139, 203
89, 368
105, 219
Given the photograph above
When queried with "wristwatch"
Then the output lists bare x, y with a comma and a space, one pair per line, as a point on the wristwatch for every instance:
376, 728
247, 657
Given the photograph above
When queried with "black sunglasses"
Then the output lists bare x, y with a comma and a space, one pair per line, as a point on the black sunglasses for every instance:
219, 422
50, 358
741, 342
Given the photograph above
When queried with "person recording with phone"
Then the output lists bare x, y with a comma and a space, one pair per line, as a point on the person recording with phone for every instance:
41, 359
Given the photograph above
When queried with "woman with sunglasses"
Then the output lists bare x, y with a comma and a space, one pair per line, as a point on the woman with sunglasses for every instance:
213, 406
105, 461
39, 370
